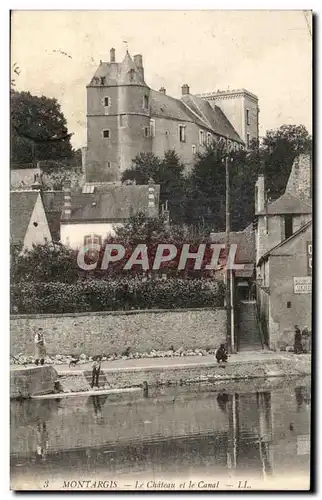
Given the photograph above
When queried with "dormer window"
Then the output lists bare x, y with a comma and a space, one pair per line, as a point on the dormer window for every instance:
92, 239
131, 75
102, 80
146, 102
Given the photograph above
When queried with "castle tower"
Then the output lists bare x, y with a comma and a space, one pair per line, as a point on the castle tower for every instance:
241, 109
118, 118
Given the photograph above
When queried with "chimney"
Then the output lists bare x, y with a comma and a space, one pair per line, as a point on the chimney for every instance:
151, 199
67, 207
185, 89
162, 90
138, 62
260, 194
112, 55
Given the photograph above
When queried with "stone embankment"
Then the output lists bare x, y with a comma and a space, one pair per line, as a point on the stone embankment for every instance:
124, 373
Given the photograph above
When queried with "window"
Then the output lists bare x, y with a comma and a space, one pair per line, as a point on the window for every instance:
193, 149
106, 134
102, 80
107, 101
288, 225
247, 117
182, 133
146, 132
208, 138
201, 137
108, 164
152, 128
248, 140
146, 102
92, 239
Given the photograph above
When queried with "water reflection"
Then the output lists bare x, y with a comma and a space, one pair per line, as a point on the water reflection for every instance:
217, 431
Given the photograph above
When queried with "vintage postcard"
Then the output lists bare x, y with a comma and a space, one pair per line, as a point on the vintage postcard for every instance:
161, 250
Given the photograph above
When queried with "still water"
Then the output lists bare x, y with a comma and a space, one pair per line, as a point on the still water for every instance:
233, 436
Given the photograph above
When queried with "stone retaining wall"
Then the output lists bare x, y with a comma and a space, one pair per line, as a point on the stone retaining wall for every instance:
110, 332
27, 382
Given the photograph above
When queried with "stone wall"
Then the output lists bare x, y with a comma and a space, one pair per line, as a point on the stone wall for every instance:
27, 382
110, 332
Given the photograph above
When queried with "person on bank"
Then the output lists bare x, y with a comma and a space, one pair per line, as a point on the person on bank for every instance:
40, 347
96, 371
298, 348
222, 354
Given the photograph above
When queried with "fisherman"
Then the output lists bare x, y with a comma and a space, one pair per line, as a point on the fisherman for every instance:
96, 371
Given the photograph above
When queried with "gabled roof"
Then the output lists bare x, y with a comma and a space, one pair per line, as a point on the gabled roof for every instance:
284, 242
245, 241
168, 107
212, 117
115, 203
22, 204
288, 204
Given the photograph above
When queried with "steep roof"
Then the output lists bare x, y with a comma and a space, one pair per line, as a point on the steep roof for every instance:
195, 110
123, 73
21, 207
115, 203
284, 242
213, 117
245, 241
288, 204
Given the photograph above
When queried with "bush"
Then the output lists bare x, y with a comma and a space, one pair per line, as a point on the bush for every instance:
110, 295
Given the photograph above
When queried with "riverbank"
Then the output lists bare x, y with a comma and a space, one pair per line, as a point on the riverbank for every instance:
132, 373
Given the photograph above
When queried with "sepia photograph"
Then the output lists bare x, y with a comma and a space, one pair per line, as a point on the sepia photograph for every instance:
161, 200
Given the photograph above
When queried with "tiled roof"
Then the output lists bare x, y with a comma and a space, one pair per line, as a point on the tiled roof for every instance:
21, 207
115, 203
124, 73
168, 107
288, 204
212, 117
245, 241
195, 110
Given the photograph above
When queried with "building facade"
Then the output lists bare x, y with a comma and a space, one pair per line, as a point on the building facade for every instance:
126, 117
284, 256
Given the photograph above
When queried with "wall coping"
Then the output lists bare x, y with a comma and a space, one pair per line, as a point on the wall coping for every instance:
113, 313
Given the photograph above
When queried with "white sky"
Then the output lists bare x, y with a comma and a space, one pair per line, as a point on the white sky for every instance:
267, 52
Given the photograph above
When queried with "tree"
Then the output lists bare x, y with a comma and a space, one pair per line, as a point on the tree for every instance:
38, 129
278, 150
168, 172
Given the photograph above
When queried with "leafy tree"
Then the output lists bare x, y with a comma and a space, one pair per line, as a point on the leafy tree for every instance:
168, 172
38, 129
278, 150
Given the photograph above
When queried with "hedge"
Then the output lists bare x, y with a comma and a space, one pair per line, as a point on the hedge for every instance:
111, 295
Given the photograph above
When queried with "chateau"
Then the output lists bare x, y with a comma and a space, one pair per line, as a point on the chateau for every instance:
126, 117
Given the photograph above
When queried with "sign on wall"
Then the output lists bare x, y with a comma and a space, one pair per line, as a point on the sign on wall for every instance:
309, 257
303, 285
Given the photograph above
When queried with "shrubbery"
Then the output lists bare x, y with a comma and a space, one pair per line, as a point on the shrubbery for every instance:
108, 295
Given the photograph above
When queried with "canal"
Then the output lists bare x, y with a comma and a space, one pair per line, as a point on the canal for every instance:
233, 436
